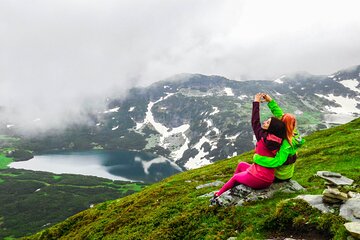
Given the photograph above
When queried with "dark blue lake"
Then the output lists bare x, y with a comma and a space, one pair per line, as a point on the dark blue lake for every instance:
116, 165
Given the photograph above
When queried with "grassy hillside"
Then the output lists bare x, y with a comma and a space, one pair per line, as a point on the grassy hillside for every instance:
171, 208
32, 200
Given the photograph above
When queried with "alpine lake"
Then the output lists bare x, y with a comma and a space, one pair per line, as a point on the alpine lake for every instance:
116, 165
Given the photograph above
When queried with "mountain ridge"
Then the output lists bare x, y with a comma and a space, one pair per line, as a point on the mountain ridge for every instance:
194, 119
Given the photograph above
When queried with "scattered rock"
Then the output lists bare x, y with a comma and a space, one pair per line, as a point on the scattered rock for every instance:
207, 195
331, 174
331, 200
316, 201
350, 210
353, 195
353, 228
333, 195
356, 213
334, 179
212, 184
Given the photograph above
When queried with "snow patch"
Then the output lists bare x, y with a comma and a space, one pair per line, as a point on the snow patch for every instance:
216, 110
180, 152
279, 80
217, 131
348, 105
164, 131
147, 164
112, 110
199, 160
232, 138
229, 92
242, 97
352, 84
139, 125
209, 123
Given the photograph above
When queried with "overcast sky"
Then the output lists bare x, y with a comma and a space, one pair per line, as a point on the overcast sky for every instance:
54, 54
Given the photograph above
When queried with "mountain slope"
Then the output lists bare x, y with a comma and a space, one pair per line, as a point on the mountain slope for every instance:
31, 200
171, 208
195, 120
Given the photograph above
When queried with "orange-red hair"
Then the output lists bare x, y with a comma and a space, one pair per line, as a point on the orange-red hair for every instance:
290, 123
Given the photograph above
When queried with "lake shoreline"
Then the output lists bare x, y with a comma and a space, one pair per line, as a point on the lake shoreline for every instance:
115, 165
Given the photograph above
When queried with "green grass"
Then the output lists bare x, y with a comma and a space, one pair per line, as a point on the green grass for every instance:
56, 177
8, 138
172, 209
4, 161
31, 200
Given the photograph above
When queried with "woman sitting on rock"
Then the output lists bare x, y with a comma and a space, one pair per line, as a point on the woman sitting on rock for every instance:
269, 137
284, 160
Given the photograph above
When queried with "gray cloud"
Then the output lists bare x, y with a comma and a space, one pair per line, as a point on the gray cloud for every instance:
57, 55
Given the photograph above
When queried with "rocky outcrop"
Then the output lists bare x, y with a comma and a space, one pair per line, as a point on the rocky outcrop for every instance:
332, 199
19, 155
241, 193
333, 195
316, 201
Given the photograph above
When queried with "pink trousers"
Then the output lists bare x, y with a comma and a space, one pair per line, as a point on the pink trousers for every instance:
241, 176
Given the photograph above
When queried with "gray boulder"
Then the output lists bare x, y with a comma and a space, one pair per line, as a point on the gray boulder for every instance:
353, 228
350, 210
241, 193
353, 194
316, 201
335, 178
333, 195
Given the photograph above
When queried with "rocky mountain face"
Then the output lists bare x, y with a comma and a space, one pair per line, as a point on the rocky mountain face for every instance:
195, 119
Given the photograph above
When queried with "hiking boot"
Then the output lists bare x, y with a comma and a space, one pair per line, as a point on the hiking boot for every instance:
215, 201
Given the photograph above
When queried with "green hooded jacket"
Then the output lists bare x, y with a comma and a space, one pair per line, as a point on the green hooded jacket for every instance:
282, 172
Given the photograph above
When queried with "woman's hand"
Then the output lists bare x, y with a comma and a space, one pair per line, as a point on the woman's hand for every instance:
258, 97
267, 97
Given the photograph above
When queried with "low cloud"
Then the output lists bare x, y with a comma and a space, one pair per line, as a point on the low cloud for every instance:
57, 56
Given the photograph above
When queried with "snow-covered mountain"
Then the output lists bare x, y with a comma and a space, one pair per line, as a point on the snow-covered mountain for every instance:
195, 119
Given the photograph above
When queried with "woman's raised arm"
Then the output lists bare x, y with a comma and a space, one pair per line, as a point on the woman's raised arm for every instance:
273, 106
